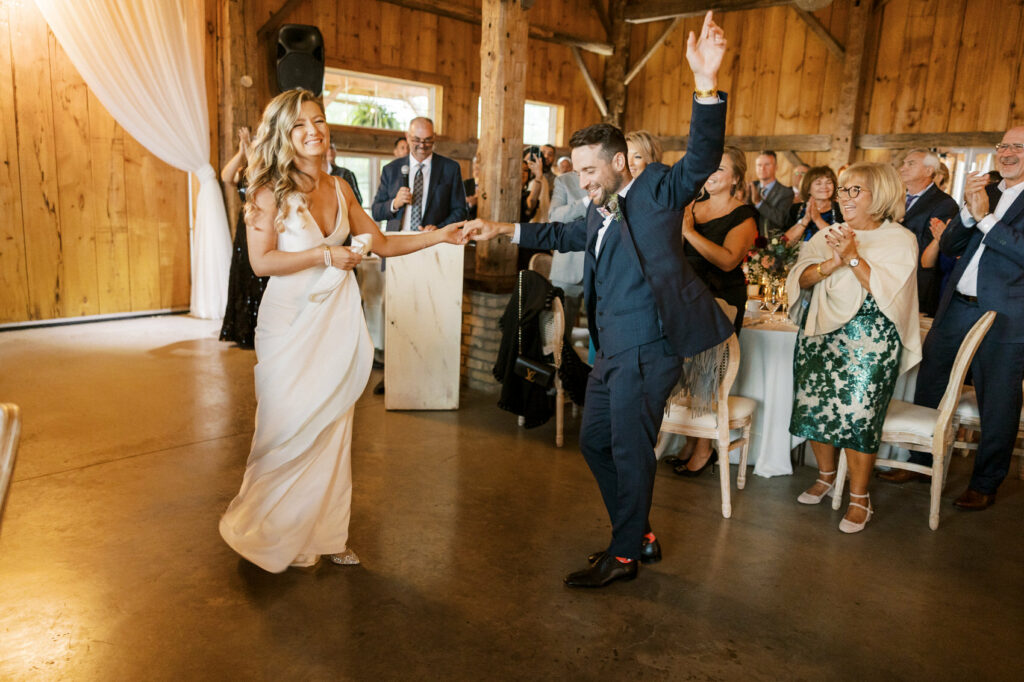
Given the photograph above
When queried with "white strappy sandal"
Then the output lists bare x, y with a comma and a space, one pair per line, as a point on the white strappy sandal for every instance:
851, 527
808, 498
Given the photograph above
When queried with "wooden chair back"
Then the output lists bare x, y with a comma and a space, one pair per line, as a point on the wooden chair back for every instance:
541, 264
955, 385
10, 433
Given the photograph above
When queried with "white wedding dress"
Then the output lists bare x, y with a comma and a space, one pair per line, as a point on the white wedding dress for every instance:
314, 359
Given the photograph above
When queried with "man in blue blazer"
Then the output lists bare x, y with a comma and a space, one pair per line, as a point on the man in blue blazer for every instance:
925, 201
988, 237
646, 308
422, 191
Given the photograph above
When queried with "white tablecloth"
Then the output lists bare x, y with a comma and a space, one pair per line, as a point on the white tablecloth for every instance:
766, 375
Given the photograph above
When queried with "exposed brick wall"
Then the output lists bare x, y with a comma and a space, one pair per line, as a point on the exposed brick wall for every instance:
481, 337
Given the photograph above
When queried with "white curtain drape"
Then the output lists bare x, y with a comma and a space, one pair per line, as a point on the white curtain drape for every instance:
143, 59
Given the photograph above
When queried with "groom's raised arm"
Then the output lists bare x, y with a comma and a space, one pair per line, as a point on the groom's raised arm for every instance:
707, 121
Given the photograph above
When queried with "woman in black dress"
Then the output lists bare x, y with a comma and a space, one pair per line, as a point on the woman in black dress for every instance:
718, 232
245, 289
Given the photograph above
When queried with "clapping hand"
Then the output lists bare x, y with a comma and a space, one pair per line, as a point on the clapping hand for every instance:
975, 195
705, 53
937, 226
688, 221
244, 141
843, 242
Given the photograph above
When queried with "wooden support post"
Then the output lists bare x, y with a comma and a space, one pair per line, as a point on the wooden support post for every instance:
595, 92
277, 19
239, 72
615, 65
655, 46
503, 46
851, 92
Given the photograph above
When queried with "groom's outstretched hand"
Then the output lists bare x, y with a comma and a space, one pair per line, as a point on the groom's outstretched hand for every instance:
705, 53
482, 230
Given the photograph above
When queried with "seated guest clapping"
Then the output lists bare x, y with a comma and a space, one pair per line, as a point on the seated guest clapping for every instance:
718, 233
820, 208
853, 292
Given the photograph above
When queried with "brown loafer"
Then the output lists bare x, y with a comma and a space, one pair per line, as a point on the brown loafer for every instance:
972, 500
901, 476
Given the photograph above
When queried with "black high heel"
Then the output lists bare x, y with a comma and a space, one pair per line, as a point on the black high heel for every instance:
681, 470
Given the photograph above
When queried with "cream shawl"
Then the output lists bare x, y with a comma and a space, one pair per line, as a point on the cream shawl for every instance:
891, 251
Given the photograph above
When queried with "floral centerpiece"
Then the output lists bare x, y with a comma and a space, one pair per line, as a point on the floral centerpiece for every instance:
770, 259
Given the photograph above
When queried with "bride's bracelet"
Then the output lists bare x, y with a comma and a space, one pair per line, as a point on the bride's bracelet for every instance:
327, 256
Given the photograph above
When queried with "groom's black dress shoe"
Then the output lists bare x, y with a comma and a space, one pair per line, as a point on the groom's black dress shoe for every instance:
606, 570
650, 553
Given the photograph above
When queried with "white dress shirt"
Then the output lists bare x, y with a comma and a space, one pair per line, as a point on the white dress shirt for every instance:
968, 284
413, 167
608, 221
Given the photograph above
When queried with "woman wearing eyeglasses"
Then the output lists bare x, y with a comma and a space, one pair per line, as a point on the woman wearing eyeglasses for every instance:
853, 292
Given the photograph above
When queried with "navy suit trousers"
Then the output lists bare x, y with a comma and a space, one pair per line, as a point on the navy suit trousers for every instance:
625, 405
998, 370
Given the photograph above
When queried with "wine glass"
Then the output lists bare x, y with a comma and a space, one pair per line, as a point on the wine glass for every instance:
781, 297
771, 299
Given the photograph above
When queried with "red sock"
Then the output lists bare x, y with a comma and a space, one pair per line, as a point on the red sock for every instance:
624, 560
650, 537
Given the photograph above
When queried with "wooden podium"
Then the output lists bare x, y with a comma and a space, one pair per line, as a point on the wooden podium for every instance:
423, 329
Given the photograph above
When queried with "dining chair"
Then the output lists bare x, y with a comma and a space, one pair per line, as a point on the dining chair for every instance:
541, 264
10, 432
928, 429
727, 425
967, 421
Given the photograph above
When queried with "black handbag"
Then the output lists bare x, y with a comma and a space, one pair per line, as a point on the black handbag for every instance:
535, 371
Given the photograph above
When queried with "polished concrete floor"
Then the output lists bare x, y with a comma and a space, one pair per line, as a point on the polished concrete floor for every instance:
135, 438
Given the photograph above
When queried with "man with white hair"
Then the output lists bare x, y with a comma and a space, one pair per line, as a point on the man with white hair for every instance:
925, 201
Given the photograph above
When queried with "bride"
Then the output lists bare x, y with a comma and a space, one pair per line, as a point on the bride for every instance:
313, 351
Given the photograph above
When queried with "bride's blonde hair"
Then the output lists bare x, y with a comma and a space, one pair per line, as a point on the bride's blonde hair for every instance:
272, 157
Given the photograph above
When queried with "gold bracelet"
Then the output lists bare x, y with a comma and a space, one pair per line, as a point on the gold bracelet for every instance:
820, 271
712, 92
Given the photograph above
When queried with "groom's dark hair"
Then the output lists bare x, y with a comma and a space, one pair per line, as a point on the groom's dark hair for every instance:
610, 138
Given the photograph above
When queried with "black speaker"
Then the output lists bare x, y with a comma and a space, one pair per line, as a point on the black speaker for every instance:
300, 58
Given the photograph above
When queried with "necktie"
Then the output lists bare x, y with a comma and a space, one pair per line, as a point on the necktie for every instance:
910, 200
416, 217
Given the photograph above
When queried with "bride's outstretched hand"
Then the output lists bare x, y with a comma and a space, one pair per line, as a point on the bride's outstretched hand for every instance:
451, 233
705, 53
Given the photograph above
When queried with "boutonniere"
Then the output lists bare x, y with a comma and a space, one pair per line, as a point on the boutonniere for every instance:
612, 208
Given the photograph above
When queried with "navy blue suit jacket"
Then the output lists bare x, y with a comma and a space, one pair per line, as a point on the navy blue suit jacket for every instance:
651, 233
446, 196
1000, 270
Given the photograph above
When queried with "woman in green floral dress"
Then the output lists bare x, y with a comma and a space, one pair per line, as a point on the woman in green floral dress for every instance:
854, 293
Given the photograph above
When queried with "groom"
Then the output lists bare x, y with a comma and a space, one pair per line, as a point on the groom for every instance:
646, 308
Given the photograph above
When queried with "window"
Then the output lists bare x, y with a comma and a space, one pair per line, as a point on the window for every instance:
963, 160
366, 168
368, 101
542, 123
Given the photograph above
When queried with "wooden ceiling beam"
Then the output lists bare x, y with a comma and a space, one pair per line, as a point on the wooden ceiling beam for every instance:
655, 46
929, 140
662, 10
755, 143
602, 16
473, 16
818, 29
595, 92
278, 18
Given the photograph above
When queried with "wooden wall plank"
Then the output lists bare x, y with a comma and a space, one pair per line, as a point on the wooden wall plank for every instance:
171, 204
70, 98
38, 164
142, 182
888, 66
109, 215
796, 42
941, 74
917, 48
14, 304
999, 70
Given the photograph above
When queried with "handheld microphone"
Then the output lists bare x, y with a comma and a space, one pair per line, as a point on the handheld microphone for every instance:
405, 175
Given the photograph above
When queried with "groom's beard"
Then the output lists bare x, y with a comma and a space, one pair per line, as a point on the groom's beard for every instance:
619, 181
